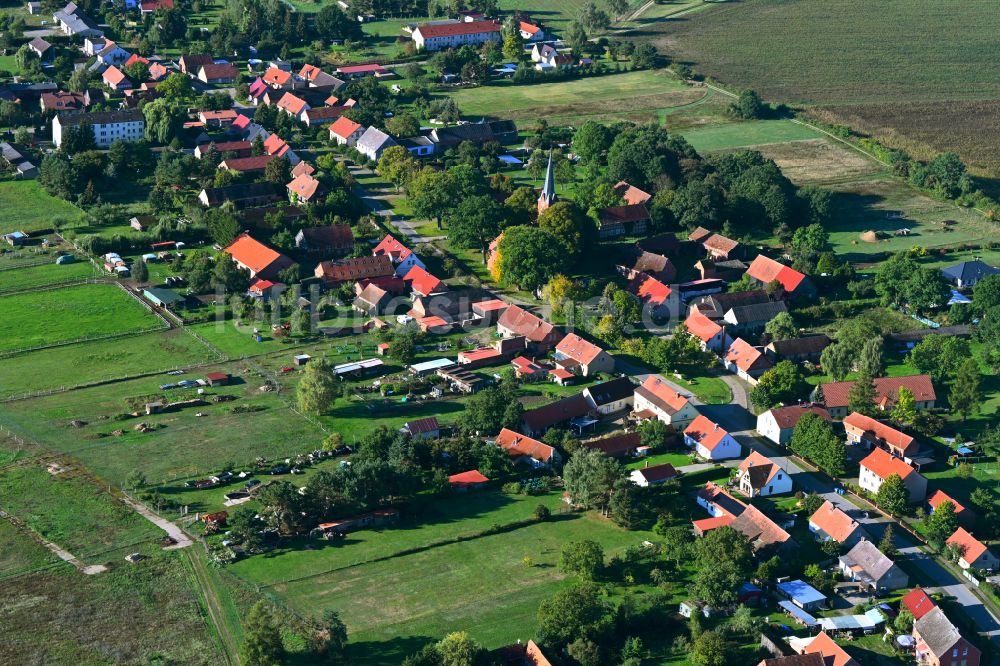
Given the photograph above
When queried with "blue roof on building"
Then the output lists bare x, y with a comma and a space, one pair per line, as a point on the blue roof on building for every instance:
799, 614
801, 591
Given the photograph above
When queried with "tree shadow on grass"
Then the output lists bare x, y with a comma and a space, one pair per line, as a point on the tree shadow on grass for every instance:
390, 652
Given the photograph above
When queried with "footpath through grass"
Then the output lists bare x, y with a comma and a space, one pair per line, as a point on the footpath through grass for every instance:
58, 315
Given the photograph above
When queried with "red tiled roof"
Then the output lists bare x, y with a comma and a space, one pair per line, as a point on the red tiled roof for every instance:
722, 500
153, 5
761, 530
707, 433
392, 248
883, 465
709, 524
246, 164
241, 122
304, 167
522, 322
429, 424
578, 349
662, 394
251, 253
292, 104
918, 603
479, 354
134, 58
227, 146
275, 145
788, 417
157, 71
309, 72
275, 76
354, 269
888, 434
227, 114
113, 76
428, 30
423, 282
832, 653
361, 69
518, 445
759, 461
766, 270
972, 547
618, 444
465, 479
305, 186
834, 522
220, 71
713, 241
524, 26
658, 472
526, 365
344, 127
940, 496
745, 356
701, 326
835, 394
318, 114
560, 411
649, 290
260, 286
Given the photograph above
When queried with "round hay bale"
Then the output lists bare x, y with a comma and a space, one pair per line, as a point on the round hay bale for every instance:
869, 237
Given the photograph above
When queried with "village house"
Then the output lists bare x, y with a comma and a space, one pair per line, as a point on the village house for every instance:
657, 399
304, 189
940, 643
832, 654
617, 221
527, 450
793, 283
968, 273
571, 411
917, 602
759, 476
236, 148
716, 245
332, 239
835, 395
829, 523
806, 348
437, 36
108, 126
729, 270
402, 257
255, 164
778, 424
577, 355
964, 515
314, 116
880, 465
716, 305
75, 23
610, 397
217, 74
974, 553
530, 32
710, 440
747, 361
654, 296
466, 481
865, 431
635, 262
712, 336
422, 283
767, 538
527, 370
275, 145
372, 300
41, 48
426, 428
751, 319
541, 336
242, 195
292, 104
259, 259
718, 502
867, 565
618, 445
346, 132
115, 79
373, 142
217, 118
192, 62
653, 475
630, 194
350, 270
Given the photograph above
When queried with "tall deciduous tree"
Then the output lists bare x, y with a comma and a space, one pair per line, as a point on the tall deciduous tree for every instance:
529, 257
262, 644
589, 477
965, 393
477, 221
582, 558
893, 495
861, 397
317, 388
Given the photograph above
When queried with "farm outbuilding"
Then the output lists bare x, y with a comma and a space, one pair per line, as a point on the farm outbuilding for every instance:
217, 378
163, 298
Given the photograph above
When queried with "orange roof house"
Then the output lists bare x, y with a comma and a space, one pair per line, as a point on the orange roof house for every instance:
717, 245
518, 322
863, 429
467, 480
706, 330
345, 131
115, 78
759, 476
656, 398
836, 394
918, 603
304, 188
880, 465
963, 514
833, 654
259, 259
975, 554
276, 78
766, 270
746, 360
631, 194
291, 104
522, 447
573, 352
710, 440
423, 283
652, 293
831, 523
275, 145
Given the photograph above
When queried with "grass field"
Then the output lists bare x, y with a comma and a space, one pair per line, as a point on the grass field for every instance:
933, 64
612, 94
27, 207
58, 315
135, 614
44, 275
182, 446
751, 133
449, 594
74, 512
20, 553
97, 360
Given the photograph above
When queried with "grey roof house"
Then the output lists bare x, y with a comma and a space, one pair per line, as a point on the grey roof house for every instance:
753, 317
968, 273
866, 564
373, 143
16, 160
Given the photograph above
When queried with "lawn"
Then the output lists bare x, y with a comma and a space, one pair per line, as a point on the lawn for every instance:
20, 553
727, 136
98, 360
146, 613
74, 511
612, 94
235, 341
449, 594
46, 274
710, 390
675, 458
928, 80
60, 315
27, 207
182, 444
